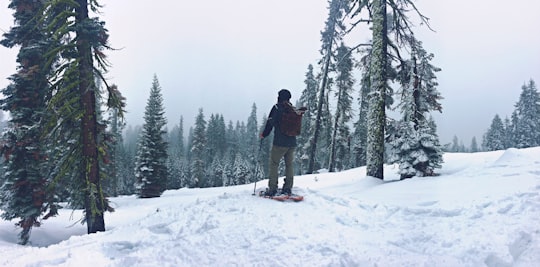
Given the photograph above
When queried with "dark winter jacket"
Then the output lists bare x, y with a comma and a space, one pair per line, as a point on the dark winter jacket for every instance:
273, 122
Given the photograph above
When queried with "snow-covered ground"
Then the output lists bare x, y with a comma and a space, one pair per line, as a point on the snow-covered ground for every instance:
484, 210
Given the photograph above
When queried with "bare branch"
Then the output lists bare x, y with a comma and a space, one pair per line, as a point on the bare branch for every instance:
396, 50
360, 45
422, 17
349, 52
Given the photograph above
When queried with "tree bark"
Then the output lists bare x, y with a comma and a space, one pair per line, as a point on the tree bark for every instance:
94, 206
377, 112
331, 163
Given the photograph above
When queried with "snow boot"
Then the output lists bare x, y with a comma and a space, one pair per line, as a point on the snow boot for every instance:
286, 191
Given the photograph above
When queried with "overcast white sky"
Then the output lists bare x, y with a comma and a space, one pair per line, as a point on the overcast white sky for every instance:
223, 56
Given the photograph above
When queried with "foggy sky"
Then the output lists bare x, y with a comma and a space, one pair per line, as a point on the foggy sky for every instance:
223, 56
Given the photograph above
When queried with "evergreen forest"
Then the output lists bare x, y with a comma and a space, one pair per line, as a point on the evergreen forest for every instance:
66, 144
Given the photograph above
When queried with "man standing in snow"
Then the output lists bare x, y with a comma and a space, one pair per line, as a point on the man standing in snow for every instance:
283, 146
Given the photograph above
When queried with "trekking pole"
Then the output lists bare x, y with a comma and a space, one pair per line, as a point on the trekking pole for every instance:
256, 165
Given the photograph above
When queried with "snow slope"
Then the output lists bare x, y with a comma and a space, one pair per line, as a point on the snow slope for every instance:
484, 210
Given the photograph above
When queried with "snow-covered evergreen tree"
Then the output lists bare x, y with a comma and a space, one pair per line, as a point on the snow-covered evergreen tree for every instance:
177, 157
233, 140
23, 191
308, 99
176, 140
415, 143
185, 174
432, 147
151, 162
221, 136
215, 136
331, 35
527, 117
129, 181
198, 150
495, 135
455, 145
359, 139
264, 149
508, 133
241, 171
474, 145
241, 133
74, 109
252, 136
216, 170
174, 165
389, 36
113, 181
181, 145
254, 146
339, 146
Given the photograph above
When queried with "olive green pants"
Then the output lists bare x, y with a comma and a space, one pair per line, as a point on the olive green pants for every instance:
276, 154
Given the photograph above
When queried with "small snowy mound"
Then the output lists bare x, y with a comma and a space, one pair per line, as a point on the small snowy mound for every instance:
512, 157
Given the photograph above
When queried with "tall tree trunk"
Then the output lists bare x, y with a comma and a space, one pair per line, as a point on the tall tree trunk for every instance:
94, 203
328, 41
317, 126
331, 162
376, 114
418, 114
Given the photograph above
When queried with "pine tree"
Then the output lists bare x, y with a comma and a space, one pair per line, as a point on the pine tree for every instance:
252, 135
73, 104
185, 174
494, 137
333, 32
455, 145
415, 143
216, 171
125, 166
527, 117
176, 156
129, 181
199, 148
227, 170
151, 163
214, 139
113, 181
508, 133
339, 148
359, 140
254, 146
241, 133
383, 51
233, 140
216, 145
264, 149
474, 145
241, 171
176, 141
181, 144
23, 192
307, 99
432, 147
216, 136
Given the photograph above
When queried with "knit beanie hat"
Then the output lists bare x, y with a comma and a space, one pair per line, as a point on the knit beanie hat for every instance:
284, 94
